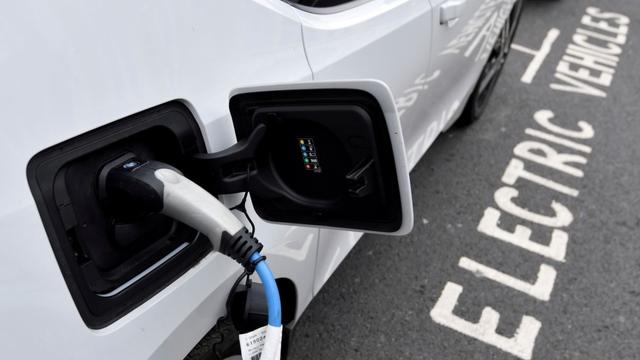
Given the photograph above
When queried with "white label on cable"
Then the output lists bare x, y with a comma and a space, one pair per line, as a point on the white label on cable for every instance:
252, 343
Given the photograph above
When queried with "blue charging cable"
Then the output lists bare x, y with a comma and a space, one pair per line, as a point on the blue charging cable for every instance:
270, 289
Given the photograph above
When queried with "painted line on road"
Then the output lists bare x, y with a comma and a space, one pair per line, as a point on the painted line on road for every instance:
485, 330
522, 342
590, 61
540, 290
538, 55
557, 144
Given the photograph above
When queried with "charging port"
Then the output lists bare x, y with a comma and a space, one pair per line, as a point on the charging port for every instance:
112, 262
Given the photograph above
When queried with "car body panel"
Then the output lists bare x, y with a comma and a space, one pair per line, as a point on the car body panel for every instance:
69, 67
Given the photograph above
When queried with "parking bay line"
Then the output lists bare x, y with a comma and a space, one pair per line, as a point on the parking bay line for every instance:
538, 55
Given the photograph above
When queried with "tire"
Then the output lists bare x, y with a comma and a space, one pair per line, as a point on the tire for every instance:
490, 74
219, 343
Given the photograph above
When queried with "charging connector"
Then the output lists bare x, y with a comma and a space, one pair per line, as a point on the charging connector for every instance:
138, 188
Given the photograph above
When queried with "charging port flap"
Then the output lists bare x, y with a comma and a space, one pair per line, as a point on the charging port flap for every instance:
323, 154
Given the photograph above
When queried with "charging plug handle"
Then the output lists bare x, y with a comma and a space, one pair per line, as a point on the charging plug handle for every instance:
134, 188
151, 186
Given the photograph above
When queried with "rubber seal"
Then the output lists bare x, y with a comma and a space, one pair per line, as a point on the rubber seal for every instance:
240, 246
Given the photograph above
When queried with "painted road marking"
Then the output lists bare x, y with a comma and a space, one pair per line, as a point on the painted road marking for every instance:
515, 171
540, 290
520, 345
543, 118
538, 55
521, 236
591, 57
590, 61
523, 342
558, 140
530, 150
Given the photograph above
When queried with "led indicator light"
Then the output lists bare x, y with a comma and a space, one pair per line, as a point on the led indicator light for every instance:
309, 155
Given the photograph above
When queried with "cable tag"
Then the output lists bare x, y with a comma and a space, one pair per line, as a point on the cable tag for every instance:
252, 343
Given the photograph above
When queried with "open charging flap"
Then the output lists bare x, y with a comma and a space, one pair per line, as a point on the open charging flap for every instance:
327, 154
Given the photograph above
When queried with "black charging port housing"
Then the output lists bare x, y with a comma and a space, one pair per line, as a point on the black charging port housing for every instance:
325, 158
111, 264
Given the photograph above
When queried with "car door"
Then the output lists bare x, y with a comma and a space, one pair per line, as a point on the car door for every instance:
464, 32
384, 40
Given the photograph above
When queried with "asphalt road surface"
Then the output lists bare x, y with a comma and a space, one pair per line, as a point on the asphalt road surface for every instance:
422, 296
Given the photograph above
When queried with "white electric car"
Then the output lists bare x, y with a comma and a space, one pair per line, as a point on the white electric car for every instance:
329, 103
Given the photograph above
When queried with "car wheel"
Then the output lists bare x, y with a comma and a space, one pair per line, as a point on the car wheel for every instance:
479, 98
